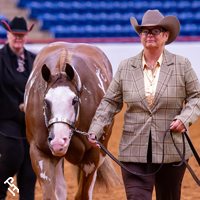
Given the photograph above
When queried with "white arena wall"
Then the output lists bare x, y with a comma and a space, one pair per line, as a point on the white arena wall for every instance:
117, 52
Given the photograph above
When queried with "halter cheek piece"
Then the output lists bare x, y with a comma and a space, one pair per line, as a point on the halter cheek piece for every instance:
63, 120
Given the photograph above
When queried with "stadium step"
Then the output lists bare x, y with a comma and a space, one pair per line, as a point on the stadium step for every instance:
10, 10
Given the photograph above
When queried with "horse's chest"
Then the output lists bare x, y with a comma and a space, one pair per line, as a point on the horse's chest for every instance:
76, 150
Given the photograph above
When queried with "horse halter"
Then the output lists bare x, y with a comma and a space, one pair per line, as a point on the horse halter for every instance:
63, 120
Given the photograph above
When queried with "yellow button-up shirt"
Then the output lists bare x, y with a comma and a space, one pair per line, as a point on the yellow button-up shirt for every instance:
151, 78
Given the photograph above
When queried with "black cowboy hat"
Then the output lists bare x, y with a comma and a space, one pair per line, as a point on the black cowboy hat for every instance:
17, 26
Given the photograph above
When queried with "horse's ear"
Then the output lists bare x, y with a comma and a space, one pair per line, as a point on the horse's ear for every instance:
46, 73
69, 71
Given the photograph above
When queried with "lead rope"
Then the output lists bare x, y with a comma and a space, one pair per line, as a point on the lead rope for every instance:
181, 155
14, 137
124, 167
121, 164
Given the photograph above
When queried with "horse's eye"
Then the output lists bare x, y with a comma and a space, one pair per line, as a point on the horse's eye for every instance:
74, 101
45, 104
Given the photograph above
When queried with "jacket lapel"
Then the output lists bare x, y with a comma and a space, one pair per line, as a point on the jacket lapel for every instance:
7, 61
138, 78
164, 77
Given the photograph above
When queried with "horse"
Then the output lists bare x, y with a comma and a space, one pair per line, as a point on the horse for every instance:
65, 87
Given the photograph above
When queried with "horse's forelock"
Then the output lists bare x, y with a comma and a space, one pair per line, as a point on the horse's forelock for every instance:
65, 57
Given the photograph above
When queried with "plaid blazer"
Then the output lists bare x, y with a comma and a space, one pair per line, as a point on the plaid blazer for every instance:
177, 84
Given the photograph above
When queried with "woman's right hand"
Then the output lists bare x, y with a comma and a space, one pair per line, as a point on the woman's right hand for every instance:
92, 141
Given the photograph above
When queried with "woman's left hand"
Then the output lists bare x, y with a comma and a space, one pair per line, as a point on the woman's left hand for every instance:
177, 125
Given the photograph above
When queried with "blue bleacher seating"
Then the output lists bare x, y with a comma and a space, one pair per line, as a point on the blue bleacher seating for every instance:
107, 18
3, 32
197, 18
64, 19
190, 30
186, 17
168, 6
195, 5
183, 6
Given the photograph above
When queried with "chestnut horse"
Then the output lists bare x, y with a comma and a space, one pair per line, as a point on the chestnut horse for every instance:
62, 94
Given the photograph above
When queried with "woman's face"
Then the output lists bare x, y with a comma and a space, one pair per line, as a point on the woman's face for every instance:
16, 41
151, 41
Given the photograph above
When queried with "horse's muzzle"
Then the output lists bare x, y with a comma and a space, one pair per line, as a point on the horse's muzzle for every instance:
58, 147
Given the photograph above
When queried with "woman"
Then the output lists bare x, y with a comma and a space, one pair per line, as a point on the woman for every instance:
154, 84
15, 67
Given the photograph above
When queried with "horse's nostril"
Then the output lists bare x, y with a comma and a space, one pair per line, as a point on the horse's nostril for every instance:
60, 149
49, 139
49, 143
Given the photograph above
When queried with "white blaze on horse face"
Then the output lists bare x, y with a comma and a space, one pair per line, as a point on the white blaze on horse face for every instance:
61, 106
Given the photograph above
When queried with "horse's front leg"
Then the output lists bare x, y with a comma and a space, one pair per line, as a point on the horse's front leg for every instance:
88, 174
44, 167
61, 186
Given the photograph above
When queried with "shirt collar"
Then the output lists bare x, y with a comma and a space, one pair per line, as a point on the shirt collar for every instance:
14, 54
159, 61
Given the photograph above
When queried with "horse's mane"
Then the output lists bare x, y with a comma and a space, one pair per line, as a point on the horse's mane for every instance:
54, 56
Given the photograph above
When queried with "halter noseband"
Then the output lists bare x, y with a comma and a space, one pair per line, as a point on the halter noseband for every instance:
60, 119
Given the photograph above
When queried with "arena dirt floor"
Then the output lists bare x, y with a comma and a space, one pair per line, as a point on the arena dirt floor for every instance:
190, 189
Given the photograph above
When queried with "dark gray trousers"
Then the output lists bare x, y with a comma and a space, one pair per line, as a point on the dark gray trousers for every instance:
167, 181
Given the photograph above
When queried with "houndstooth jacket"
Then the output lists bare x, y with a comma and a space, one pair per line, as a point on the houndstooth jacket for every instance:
177, 84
